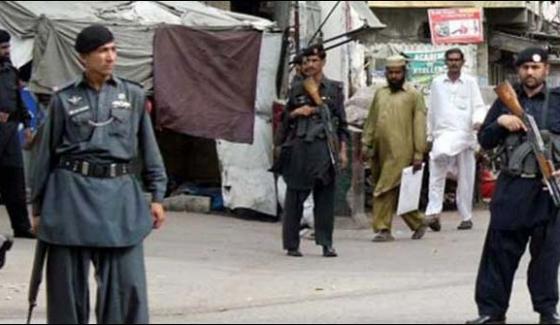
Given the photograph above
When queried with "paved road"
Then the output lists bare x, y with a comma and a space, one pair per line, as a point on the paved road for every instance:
217, 269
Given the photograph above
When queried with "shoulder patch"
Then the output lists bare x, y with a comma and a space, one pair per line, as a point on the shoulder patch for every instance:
65, 86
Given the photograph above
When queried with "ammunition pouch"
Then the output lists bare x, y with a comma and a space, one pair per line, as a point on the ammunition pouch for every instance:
518, 159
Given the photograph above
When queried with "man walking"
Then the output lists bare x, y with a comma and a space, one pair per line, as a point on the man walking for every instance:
456, 111
394, 138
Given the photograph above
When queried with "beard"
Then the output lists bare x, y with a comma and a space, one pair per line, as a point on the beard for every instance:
396, 85
532, 85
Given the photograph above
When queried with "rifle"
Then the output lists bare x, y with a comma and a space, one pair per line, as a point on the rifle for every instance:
36, 276
312, 89
508, 96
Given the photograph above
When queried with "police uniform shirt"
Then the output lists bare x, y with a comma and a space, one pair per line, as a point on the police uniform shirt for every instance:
520, 202
109, 126
309, 161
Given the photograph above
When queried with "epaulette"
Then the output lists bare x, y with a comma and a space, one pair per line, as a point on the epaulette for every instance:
136, 83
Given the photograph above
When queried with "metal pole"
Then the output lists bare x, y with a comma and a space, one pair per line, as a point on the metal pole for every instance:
297, 27
323, 23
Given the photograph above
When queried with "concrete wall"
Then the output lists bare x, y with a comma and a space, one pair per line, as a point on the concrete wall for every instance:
403, 25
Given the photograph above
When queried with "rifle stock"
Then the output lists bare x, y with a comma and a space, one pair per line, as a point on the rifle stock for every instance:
508, 96
312, 89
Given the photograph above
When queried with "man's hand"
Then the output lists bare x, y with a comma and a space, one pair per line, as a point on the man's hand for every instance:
158, 215
477, 126
303, 111
512, 123
416, 165
343, 156
28, 136
4, 117
35, 225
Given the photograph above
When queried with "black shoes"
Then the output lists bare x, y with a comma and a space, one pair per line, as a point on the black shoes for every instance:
434, 223
485, 319
420, 232
465, 225
549, 319
5, 245
294, 253
24, 234
329, 252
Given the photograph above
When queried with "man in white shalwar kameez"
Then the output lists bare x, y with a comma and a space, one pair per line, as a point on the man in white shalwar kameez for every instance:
456, 111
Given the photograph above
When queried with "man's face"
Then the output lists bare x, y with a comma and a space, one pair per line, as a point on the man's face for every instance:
4, 51
101, 60
532, 74
395, 75
313, 65
454, 62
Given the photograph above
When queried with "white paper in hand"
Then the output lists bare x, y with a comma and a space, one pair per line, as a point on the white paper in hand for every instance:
409, 194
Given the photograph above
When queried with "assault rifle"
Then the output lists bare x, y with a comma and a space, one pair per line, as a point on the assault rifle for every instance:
508, 96
312, 89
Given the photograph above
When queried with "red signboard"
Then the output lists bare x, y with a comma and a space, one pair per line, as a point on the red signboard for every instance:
456, 26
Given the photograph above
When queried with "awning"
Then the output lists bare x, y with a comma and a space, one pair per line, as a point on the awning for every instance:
513, 43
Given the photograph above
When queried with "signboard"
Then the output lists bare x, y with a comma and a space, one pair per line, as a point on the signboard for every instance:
424, 66
456, 26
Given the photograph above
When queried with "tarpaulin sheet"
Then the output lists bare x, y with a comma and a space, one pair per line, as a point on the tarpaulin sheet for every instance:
205, 82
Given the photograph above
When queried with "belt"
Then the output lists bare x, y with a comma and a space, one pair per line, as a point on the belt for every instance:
88, 169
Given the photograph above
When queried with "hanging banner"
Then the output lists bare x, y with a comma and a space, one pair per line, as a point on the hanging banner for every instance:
456, 26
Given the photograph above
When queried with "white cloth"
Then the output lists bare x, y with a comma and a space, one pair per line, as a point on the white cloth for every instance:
463, 166
454, 108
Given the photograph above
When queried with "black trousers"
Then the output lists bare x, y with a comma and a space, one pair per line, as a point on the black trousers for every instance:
12, 190
500, 259
323, 214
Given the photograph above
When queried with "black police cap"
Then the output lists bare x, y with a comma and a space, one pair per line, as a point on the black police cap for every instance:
92, 37
532, 54
4, 36
316, 49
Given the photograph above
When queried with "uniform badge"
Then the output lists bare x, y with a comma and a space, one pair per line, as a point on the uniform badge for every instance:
122, 104
74, 100
537, 58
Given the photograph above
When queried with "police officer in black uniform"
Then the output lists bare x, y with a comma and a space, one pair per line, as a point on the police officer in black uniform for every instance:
12, 113
522, 210
304, 162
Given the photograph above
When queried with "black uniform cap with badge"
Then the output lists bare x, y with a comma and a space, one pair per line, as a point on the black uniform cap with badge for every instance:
532, 55
316, 49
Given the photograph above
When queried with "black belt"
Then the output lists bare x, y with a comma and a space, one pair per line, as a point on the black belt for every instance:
95, 170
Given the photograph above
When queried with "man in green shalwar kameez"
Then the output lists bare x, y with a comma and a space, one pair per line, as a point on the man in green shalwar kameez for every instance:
394, 138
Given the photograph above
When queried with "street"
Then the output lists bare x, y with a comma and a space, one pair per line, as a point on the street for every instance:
218, 269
